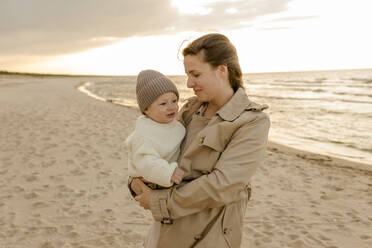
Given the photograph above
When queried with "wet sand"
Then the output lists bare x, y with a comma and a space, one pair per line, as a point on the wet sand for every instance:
63, 180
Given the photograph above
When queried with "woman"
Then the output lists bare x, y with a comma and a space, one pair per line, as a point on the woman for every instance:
225, 143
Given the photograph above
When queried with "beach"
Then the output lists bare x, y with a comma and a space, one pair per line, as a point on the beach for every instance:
63, 179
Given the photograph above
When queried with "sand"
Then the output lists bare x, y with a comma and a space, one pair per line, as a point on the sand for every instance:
63, 180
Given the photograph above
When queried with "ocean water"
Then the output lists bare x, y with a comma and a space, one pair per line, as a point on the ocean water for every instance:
326, 112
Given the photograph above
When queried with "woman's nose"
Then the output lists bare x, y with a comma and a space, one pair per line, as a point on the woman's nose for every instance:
190, 83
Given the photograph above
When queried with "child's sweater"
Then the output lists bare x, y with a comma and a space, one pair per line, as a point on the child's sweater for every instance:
153, 150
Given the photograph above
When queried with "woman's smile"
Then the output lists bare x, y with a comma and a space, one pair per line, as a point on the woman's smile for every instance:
196, 91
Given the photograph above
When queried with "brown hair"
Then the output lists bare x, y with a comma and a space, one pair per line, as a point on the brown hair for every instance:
216, 49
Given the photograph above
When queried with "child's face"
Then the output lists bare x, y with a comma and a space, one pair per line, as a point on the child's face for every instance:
164, 109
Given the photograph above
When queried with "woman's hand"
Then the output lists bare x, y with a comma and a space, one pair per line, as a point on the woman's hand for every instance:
135, 186
142, 192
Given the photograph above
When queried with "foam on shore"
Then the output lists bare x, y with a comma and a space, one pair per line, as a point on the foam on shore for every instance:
83, 88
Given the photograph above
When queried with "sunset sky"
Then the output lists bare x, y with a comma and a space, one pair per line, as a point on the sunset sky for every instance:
122, 37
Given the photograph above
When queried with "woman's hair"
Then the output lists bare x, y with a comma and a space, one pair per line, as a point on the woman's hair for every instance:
216, 49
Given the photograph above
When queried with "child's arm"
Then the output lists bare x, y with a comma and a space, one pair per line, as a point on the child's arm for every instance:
177, 176
149, 164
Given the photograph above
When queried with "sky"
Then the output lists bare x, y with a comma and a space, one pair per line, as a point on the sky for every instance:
123, 37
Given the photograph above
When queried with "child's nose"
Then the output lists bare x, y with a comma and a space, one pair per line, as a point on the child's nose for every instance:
172, 106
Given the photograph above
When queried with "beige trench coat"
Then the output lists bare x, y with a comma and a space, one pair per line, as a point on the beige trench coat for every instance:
219, 161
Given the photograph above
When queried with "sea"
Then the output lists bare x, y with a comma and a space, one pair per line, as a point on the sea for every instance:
325, 112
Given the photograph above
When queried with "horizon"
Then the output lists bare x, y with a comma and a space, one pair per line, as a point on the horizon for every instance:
91, 37
5, 72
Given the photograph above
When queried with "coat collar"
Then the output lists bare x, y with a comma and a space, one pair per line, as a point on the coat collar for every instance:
237, 105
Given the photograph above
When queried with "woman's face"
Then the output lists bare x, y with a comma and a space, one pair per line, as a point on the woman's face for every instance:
206, 81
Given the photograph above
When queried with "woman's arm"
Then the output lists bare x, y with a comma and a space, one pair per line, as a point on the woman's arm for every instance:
226, 183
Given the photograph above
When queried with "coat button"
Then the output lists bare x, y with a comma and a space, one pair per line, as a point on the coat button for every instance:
167, 221
201, 140
198, 237
226, 231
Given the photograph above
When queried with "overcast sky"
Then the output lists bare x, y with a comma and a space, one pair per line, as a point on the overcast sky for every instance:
58, 27
62, 36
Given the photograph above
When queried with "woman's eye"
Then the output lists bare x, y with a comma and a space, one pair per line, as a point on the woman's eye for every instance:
174, 101
163, 103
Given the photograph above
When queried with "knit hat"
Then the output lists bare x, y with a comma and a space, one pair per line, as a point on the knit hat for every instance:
150, 85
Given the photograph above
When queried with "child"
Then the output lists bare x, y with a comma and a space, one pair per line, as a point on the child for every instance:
154, 146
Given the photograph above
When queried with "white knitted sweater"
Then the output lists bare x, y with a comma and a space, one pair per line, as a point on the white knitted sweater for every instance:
153, 150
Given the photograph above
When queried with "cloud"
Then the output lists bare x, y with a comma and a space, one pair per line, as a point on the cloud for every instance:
273, 28
51, 27
293, 18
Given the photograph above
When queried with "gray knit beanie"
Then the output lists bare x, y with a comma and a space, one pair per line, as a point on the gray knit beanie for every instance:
150, 85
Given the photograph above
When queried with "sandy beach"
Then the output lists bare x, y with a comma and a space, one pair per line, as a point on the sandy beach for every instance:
63, 180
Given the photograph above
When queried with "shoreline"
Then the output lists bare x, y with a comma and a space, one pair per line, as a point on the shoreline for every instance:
324, 159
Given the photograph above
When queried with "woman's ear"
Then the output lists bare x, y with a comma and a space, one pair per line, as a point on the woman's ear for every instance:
222, 69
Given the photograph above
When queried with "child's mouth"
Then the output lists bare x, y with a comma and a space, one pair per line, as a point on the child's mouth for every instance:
171, 115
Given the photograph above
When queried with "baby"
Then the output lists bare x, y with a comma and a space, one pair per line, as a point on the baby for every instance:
154, 146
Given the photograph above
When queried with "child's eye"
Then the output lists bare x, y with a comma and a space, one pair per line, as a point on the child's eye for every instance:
163, 103
196, 75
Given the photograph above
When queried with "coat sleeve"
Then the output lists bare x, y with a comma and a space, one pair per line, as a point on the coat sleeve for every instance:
228, 181
149, 164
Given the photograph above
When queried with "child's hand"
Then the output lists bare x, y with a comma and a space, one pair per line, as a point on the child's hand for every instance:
177, 176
